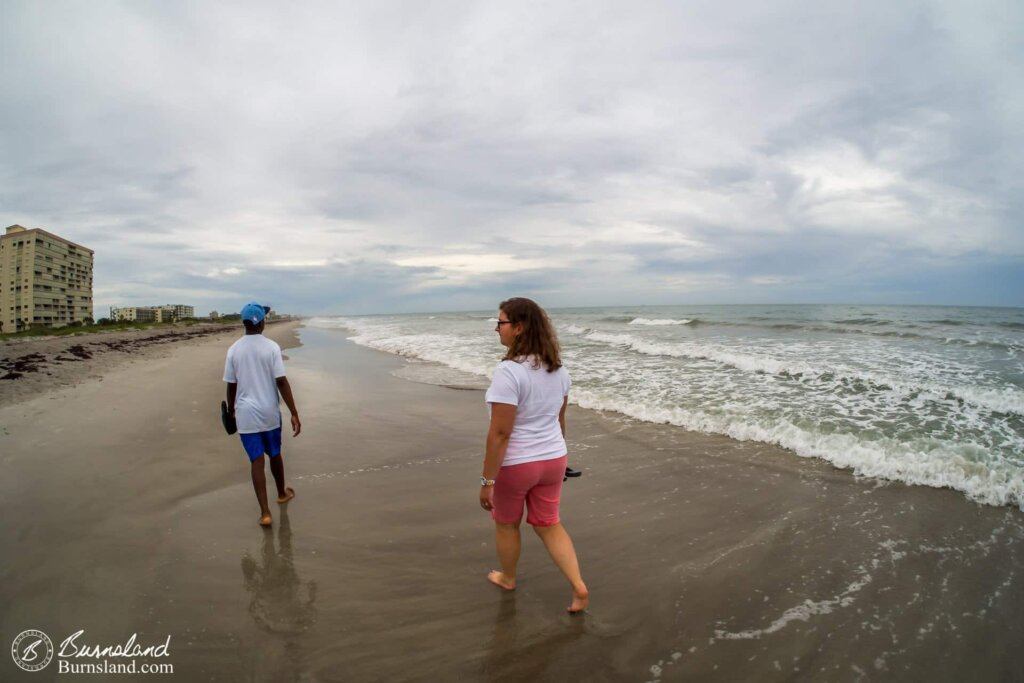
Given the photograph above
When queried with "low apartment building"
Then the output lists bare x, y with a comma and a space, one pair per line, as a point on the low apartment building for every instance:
178, 311
152, 314
133, 314
45, 280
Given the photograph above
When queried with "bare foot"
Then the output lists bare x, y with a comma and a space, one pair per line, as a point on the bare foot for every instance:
580, 600
289, 493
499, 580
266, 520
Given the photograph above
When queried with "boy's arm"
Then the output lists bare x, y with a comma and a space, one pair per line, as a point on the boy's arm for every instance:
231, 380
286, 394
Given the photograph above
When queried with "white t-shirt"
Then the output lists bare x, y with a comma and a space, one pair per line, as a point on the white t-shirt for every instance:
254, 363
538, 396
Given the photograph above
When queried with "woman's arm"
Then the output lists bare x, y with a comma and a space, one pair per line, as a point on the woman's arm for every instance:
503, 418
561, 415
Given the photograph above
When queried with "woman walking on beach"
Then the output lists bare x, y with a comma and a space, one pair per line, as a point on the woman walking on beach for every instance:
526, 451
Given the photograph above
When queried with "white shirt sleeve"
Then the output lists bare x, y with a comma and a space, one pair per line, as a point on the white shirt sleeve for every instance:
566, 382
229, 369
278, 362
504, 385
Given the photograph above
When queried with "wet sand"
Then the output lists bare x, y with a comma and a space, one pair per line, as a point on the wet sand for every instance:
127, 509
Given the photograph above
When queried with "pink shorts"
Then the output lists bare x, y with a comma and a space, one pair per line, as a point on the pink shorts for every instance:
538, 484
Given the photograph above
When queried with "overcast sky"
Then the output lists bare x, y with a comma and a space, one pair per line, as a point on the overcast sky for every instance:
384, 157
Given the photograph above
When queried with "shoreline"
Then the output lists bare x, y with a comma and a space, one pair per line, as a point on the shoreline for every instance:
855, 469
931, 400
129, 510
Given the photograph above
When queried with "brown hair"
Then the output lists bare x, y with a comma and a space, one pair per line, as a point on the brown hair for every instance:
538, 337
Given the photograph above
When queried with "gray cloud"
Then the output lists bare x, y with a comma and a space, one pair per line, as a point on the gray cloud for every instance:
395, 156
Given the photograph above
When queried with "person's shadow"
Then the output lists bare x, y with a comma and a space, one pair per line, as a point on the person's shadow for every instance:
281, 603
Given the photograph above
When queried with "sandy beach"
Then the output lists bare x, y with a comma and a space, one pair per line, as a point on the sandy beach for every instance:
32, 366
128, 510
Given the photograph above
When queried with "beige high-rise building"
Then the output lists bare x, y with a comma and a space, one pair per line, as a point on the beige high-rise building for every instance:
45, 280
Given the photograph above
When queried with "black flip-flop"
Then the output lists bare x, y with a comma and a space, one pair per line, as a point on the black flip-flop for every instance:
227, 418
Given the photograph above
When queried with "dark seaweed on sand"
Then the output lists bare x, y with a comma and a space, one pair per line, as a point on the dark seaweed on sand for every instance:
14, 368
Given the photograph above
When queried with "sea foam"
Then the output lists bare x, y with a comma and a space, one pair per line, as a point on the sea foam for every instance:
658, 322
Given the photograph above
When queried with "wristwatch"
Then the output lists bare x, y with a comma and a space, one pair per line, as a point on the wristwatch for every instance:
486, 482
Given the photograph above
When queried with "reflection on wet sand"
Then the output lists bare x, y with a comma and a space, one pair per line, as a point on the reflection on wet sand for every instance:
525, 650
281, 602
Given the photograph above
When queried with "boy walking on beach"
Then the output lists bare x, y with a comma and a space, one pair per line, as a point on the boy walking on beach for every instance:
254, 371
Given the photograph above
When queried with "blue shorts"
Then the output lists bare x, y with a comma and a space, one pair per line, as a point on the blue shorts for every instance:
262, 442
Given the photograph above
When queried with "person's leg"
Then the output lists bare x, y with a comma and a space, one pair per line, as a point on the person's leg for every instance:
543, 502
560, 548
509, 493
259, 484
509, 544
284, 494
272, 445
254, 448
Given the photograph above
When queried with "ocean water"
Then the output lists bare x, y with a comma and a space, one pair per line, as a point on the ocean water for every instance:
920, 394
